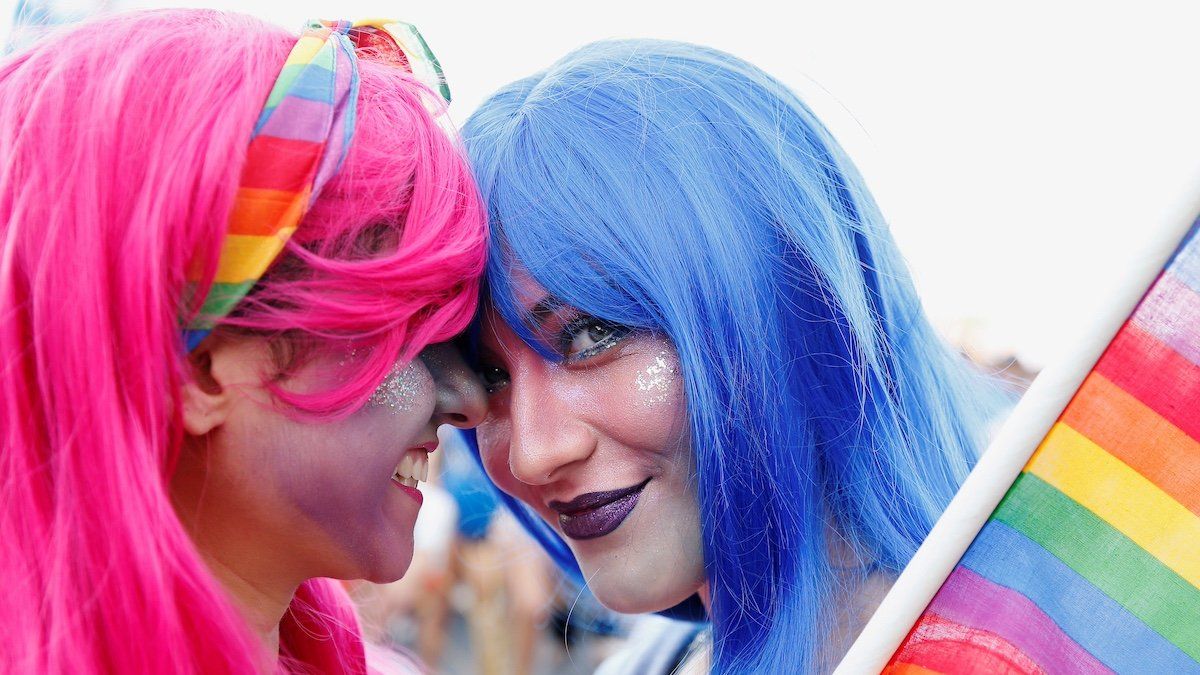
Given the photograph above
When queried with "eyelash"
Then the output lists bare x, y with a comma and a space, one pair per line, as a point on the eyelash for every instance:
616, 333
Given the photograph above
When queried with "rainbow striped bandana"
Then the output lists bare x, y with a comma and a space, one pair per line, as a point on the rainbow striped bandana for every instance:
298, 144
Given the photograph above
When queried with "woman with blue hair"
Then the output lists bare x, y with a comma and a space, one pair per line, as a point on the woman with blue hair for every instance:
711, 382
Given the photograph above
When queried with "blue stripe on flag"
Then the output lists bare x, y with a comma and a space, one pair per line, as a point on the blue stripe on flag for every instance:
1095, 621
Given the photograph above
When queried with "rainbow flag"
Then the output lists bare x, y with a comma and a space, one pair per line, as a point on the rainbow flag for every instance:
1091, 561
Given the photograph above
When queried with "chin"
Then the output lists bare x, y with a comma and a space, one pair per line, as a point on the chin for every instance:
385, 562
631, 597
387, 571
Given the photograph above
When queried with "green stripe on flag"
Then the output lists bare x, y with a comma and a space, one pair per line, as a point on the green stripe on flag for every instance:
1109, 560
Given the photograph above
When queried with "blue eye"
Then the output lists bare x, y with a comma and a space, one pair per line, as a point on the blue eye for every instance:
588, 336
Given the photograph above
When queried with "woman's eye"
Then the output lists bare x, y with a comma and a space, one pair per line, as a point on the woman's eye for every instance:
587, 336
494, 379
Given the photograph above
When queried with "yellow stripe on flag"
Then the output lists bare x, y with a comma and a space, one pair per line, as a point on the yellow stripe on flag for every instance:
1124, 498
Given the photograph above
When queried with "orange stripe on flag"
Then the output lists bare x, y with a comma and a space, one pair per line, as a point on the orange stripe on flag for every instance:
1139, 437
908, 669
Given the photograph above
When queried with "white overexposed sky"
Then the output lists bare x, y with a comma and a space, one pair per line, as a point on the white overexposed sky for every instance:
1023, 152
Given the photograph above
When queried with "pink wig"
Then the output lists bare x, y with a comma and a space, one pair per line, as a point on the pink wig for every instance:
122, 145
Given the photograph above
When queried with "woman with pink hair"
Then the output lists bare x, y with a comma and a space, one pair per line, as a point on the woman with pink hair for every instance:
229, 262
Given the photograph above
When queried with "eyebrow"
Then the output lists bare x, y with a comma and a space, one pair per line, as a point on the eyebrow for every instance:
546, 308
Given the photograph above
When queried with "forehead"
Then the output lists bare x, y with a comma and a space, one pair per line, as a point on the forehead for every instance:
518, 322
524, 304
527, 292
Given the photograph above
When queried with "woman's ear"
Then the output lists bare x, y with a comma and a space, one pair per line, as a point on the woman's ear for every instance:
206, 399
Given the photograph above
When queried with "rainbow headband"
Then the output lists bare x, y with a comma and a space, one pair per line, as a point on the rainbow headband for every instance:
298, 144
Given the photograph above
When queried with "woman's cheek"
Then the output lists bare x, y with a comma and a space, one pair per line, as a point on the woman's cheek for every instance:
656, 385
493, 439
644, 404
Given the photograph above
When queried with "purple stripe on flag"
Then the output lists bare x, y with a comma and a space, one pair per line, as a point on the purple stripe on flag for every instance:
1186, 265
1171, 313
299, 119
971, 600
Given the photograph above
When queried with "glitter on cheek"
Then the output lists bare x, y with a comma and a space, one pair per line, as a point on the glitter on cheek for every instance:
658, 379
401, 390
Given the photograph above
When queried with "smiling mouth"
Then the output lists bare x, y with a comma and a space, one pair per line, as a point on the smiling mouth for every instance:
412, 470
595, 514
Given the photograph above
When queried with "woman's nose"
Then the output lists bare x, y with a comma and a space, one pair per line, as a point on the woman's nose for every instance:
546, 434
461, 401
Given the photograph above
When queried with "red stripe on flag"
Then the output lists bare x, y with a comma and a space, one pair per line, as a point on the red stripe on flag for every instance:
954, 649
1156, 375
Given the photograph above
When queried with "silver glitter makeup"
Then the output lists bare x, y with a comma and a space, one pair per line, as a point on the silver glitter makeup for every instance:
400, 391
657, 379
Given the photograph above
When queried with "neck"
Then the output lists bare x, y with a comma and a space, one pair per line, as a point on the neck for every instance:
262, 604
705, 598
260, 583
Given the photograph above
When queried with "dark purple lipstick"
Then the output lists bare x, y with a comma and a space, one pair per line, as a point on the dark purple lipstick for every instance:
595, 514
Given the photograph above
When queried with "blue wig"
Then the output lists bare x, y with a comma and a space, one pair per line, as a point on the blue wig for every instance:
677, 189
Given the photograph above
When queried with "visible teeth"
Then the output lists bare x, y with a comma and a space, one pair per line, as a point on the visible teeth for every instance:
413, 467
